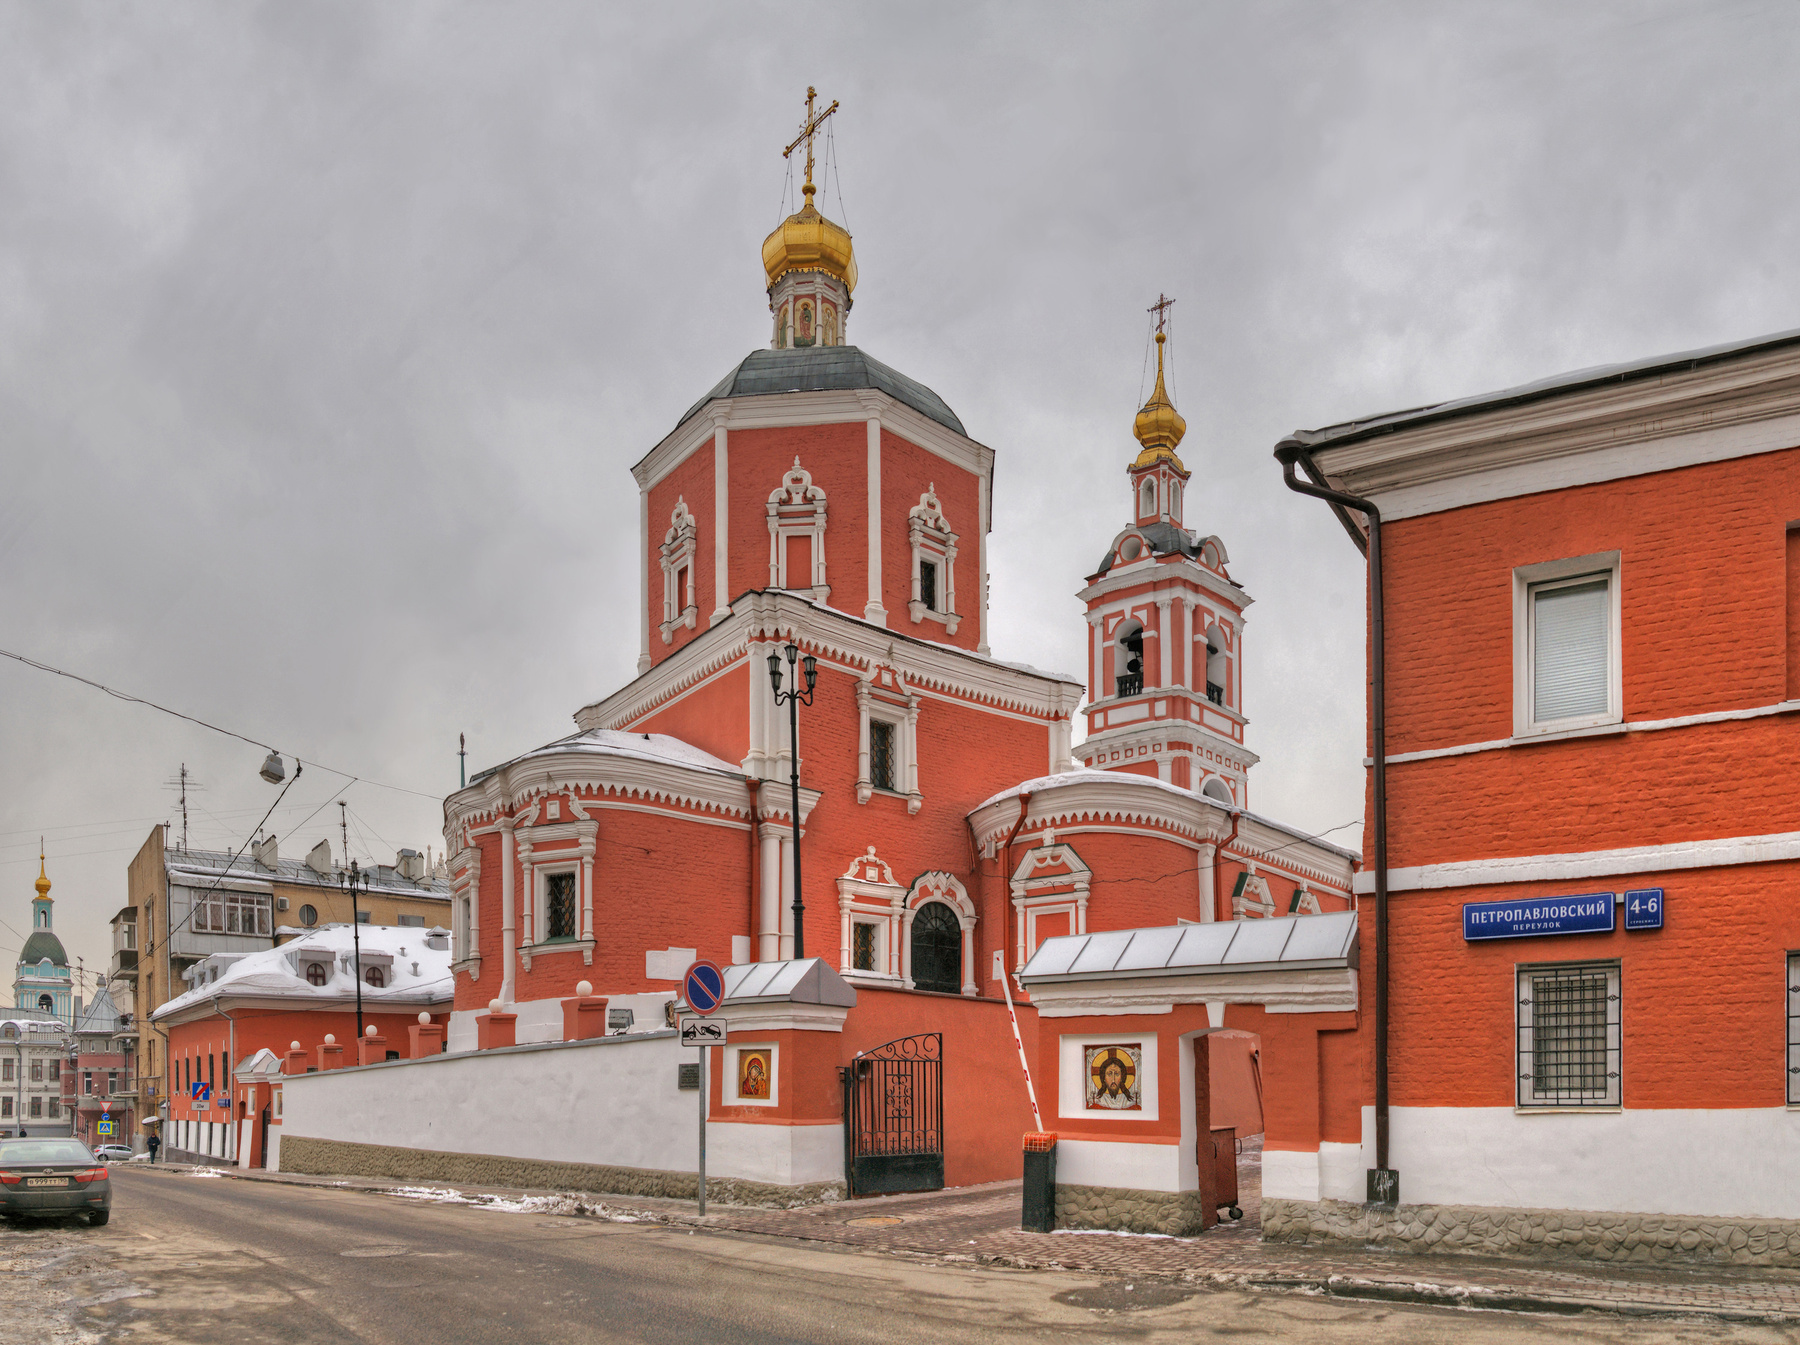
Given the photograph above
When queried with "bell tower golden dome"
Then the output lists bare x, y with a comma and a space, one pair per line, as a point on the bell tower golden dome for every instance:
809, 260
1159, 426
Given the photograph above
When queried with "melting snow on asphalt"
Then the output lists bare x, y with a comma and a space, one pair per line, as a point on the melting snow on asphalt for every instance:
1109, 1233
444, 1195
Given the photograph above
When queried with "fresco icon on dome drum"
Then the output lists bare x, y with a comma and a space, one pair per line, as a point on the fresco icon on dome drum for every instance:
1112, 1077
1644, 908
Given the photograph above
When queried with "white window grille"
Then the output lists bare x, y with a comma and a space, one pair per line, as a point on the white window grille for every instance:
1569, 1036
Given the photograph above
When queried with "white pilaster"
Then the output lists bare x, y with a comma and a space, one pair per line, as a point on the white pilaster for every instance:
873, 610
1166, 640
643, 581
721, 523
981, 559
769, 931
1209, 904
1187, 644
509, 940
787, 896
1098, 622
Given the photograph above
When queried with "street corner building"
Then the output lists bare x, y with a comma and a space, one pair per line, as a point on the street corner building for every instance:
1590, 602
878, 869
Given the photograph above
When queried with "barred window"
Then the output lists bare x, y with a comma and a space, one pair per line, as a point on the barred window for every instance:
1793, 1016
862, 946
881, 754
559, 902
1569, 1035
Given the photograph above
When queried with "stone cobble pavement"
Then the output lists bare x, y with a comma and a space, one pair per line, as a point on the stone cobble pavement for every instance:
981, 1225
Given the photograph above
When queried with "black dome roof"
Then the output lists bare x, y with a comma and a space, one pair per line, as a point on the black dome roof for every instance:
826, 369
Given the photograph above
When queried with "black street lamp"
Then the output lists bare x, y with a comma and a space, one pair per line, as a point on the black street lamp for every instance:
793, 700
354, 883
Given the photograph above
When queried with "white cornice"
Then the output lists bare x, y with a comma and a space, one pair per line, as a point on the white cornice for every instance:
1726, 409
551, 772
778, 615
775, 410
311, 1002
1171, 572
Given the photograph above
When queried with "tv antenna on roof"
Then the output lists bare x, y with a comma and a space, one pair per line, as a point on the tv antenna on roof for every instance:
183, 782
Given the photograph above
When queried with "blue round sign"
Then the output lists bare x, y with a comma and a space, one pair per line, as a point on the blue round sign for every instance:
704, 987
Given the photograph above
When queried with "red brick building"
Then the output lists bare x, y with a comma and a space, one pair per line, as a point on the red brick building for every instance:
1591, 599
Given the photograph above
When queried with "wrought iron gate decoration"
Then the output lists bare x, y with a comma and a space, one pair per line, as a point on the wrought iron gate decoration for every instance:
894, 1117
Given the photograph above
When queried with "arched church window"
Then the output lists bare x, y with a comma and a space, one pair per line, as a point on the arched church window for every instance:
1147, 500
937, 949
375, 977
1218, 665
315, 973
1175, 501
1215, 788
47, 1004
1130, 660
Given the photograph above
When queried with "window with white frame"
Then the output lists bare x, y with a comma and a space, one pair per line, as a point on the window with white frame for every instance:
1175, 501
219, 912
1566, 667
677, 555
1568, 1031
866, 951
559, 905
933, 562
1793, 1029
1147, 499
887, 739
796, 512
870, 902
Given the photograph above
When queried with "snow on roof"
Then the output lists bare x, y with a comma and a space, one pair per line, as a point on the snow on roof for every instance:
1084, 775
415, 972
659, 747
1291, 941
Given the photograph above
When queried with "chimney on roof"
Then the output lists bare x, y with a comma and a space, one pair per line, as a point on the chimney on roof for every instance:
410, 864
265, 852
318, 859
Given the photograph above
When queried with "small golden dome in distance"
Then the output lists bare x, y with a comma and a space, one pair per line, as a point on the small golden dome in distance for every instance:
1159, 426
807, 241
43, 879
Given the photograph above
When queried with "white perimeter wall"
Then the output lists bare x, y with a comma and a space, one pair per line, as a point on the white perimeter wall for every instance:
1736, 1163
612, 1101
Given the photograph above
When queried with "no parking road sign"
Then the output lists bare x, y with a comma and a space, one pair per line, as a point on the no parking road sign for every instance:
704, 987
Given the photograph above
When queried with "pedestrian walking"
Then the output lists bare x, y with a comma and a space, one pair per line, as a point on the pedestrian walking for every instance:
153, 1143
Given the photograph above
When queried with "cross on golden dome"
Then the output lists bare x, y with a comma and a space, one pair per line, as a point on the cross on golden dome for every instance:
1159, 426
1161, 308
808, 129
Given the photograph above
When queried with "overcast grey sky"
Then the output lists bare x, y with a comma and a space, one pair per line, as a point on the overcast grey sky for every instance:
329, 331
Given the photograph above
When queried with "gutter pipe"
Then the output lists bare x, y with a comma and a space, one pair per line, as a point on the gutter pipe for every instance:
754, 785
1384, 1182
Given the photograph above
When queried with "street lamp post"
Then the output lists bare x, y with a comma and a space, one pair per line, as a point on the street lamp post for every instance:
354, 883
793, 700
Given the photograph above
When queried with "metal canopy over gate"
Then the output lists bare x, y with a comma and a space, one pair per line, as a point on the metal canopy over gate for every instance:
894, 1117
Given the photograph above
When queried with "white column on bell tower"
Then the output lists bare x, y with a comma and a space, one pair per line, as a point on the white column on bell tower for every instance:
873, 609
1165, 638
721, 519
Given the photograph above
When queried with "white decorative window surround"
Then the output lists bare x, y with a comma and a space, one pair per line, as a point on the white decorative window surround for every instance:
884, 698
1303, 902
868, 897
933, 562
1050, 883
680, 607
1251, 896
535, 867
797, 510
938, 886
1566, 640
465, 911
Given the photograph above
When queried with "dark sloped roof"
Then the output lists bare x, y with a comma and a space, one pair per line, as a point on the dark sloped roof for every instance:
826, 369
43, 944
1165, 539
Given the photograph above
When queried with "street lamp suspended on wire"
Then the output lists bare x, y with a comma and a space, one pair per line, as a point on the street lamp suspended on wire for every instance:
793, 700
354, 883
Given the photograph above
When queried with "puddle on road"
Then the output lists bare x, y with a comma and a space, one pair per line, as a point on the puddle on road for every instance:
1125, 1296
384, 1250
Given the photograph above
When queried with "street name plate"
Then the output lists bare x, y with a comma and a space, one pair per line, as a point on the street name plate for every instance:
1534, 917
702, 1032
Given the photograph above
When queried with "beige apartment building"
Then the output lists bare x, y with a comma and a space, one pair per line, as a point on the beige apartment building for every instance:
184, 906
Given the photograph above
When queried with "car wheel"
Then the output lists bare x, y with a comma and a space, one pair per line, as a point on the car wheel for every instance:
98, 1218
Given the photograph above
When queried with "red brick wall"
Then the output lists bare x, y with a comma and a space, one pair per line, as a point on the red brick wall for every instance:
838, 458
714, 716
906, 472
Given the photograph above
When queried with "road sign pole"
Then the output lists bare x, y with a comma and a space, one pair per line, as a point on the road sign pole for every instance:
704, 1052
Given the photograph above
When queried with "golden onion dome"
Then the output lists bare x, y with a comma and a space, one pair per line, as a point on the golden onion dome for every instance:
807, 241
43, 879
1159, 425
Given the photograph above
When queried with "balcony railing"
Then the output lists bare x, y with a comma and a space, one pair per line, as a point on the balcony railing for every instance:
1215, 693
1130, 684
124, 963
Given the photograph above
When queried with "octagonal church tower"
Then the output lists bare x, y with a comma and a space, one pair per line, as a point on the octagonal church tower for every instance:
1166, 630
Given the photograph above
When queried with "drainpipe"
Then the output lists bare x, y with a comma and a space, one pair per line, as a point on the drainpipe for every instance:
1219, 856
1384, 1182
754, 785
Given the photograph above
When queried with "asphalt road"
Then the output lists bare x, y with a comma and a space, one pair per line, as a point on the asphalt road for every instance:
195, 1259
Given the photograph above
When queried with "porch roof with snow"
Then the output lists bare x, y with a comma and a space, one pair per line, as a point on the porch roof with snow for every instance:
808, 981
1284, 943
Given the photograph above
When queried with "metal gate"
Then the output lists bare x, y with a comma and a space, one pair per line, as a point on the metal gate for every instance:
894, 1117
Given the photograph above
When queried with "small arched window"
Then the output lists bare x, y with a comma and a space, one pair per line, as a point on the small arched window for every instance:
1218, 666
1215, 788
1175, 500
375, 977
1129, 662
309, 916
47, 1004
315, 973
937, 949
1147, 500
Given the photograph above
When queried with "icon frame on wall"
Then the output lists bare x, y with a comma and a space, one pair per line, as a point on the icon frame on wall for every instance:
1103, 1093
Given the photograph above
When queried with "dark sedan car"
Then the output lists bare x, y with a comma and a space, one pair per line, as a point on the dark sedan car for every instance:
53, 1176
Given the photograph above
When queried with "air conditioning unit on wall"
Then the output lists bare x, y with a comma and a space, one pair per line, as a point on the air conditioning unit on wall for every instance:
281, 903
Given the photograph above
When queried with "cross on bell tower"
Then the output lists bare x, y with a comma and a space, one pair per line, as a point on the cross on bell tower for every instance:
808, 129
809, 260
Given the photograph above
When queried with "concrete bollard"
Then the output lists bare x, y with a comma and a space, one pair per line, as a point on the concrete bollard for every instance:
584, 1015
427, 1038
331, 1055
495, 1029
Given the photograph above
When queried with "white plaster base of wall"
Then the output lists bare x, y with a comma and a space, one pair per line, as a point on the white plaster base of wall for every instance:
780, 1155
1121, 1164
1736, 1163
274, 1160
1290, 1174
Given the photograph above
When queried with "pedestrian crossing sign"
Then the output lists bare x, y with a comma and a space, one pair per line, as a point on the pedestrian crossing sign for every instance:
104, 1128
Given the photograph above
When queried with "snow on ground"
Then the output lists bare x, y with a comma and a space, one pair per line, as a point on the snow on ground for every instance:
551, 1204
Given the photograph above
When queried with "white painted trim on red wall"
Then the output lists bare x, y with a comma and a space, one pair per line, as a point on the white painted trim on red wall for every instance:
1630, 859
1602, 730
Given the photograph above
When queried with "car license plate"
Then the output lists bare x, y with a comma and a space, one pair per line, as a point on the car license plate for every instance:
46, 1181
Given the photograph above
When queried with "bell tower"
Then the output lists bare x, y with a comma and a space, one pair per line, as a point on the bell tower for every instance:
1166, 625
